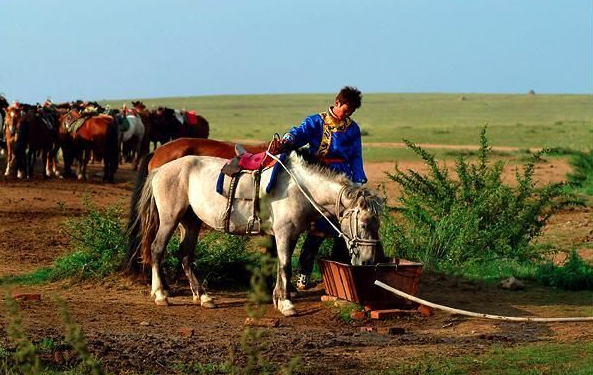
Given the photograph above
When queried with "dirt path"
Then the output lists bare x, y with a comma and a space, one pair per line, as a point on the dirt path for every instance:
129, 333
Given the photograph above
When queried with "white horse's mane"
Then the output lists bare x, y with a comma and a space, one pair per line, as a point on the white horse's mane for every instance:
352, 190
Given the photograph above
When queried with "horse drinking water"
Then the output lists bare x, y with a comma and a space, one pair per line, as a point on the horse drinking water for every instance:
183, 192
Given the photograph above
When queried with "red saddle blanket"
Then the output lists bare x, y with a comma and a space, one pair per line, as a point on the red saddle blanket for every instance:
255, 161
192, 117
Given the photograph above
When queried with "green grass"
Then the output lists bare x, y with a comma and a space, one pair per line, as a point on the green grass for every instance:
573, 358
513, 120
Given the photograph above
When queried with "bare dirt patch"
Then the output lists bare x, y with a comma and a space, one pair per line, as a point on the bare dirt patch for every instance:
129, 333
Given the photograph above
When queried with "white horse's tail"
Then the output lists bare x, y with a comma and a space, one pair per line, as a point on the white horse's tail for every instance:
149, 219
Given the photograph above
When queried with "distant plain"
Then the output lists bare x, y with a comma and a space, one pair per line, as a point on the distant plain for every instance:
515, 122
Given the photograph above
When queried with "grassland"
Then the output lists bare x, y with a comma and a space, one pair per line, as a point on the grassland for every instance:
519, 121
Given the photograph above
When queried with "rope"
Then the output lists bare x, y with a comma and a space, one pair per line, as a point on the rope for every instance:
477, 315
315, 205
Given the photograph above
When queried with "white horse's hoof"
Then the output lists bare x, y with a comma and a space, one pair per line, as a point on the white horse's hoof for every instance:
286, 308
207, 302
162, 302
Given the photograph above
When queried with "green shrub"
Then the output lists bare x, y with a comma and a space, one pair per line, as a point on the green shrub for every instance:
447, 223
98, 239
223, 259
581, 178
575, 274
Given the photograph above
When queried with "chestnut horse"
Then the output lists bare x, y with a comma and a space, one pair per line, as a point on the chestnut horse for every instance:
171, 151
98, 134
13, 117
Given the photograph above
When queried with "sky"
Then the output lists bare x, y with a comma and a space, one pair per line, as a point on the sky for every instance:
95, 50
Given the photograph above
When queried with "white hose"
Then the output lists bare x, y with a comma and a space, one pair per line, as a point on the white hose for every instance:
477, 315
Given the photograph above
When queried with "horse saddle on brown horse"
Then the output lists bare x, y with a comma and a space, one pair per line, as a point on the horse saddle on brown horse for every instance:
73, 121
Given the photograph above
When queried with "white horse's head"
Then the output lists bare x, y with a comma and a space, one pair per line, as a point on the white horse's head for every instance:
359, 222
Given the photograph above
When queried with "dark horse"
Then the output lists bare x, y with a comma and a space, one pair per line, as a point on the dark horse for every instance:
165, 126
99, 135
36, 132
3, 106
171, 151
194, 126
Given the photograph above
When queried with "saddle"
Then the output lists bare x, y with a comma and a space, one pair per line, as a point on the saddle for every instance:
244, 171
192, 117
48, 120
124, 124
73, 121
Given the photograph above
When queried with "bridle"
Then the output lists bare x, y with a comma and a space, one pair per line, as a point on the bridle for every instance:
350, 213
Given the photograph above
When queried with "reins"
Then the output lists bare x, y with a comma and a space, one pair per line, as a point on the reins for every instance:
351, 243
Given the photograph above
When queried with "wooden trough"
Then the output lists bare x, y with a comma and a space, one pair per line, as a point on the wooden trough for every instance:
356, 283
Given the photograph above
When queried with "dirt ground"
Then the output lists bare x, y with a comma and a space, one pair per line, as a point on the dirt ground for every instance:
132, 335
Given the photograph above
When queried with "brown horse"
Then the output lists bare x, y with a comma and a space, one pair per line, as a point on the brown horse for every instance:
13, 117
37, 132
99, 135
146, 118
171, 151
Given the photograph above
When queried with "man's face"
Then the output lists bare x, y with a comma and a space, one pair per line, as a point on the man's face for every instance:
341, 111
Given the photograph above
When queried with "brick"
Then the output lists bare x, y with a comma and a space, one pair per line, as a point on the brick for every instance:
391, 330
357, 315
386, 314
26, 296
186, 332
262, 322
425, 310
326, 298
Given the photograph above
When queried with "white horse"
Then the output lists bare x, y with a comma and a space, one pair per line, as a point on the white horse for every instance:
183, 192
131, 138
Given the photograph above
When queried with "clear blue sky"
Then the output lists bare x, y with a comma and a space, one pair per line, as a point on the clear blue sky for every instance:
141, 49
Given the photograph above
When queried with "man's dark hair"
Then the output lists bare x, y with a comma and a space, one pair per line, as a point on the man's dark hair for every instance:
351, 96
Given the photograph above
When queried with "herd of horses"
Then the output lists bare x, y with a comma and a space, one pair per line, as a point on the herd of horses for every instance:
86, 131
175, 187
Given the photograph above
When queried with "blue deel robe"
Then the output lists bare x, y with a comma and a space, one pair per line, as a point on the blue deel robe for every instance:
344, 143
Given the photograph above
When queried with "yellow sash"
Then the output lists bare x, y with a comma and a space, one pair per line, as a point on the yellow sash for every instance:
330, 125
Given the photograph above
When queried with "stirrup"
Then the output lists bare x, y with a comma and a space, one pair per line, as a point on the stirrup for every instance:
253, 225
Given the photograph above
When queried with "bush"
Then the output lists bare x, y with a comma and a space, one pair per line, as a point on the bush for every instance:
575, 274
448, 223
99, 243
223, 259
581, 178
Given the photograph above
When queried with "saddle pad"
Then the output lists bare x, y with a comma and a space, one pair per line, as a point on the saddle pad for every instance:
192, 117
124, 125
223, 183
73, 127
244, 186
254, 161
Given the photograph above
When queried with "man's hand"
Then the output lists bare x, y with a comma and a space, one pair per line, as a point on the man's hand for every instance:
280, 146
